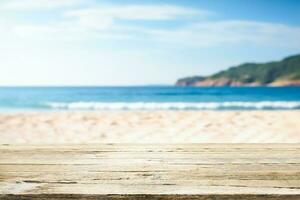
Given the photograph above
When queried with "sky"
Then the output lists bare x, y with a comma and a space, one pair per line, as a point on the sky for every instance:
133, 42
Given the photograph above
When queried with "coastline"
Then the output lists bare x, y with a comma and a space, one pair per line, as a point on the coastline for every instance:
73, 127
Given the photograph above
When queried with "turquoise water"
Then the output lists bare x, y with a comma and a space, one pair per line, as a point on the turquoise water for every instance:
148, 98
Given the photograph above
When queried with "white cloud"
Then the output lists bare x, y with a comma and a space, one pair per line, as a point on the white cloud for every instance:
106, 22
64, 32
19, 5
139, 12
211, 33
204, 34
92, 22
105, 16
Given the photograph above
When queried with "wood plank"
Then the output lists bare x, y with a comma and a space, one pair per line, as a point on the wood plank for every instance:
153, 171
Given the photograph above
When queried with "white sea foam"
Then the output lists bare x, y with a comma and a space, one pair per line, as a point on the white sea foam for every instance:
173, 105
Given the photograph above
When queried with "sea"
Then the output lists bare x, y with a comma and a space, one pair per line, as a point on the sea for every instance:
148, 98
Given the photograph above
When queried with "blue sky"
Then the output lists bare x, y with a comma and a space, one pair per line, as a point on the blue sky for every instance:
127, 42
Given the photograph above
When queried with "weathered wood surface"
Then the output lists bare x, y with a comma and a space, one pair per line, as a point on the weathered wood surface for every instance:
121, 171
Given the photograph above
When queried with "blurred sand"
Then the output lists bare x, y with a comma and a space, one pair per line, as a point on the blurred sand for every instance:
151, 127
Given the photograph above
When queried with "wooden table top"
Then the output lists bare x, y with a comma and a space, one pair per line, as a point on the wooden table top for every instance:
150, 171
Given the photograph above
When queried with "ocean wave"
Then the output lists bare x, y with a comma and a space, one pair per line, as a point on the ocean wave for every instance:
173, 105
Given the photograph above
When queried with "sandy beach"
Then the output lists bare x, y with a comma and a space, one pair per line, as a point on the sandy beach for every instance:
150, 127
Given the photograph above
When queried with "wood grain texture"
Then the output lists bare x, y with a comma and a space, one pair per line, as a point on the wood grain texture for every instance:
152, 171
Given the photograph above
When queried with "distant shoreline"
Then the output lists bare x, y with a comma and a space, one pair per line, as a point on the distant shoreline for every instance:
279, 73
146, 86
239, 86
